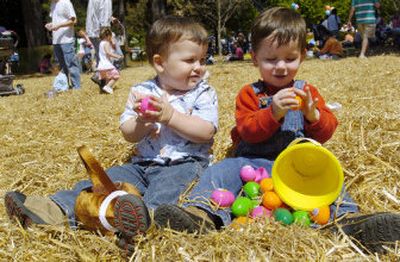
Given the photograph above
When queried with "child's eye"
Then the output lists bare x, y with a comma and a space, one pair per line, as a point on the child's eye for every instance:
291, 59
189, 60
203, 61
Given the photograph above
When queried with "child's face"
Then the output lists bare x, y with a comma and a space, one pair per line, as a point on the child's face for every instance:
278, 65
182, 67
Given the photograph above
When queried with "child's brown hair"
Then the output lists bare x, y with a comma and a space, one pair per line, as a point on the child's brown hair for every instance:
282, 24
170, 29
105, 32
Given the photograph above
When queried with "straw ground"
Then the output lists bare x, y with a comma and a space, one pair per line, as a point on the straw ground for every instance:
39, 137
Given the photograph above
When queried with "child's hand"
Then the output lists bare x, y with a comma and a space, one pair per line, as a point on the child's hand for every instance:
309, 108
282, 101
164, 110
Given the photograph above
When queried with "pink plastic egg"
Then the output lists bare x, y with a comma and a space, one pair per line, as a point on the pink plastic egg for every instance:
260, 212
222, 197
261, 173
247, 173
145, 105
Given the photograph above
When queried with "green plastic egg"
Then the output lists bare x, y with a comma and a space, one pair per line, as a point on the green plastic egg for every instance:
252, 189
302, 218
242, 206
283, 215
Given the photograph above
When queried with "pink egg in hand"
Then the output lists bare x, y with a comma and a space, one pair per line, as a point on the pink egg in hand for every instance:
247, 173
145, 105
260, 212
261, 173
222, 197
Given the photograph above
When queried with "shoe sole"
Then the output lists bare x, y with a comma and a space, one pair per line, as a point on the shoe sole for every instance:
131, 216
374, 231
178, 219
14, 202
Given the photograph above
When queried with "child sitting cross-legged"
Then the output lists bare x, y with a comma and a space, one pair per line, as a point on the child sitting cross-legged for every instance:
267, 120
174, 136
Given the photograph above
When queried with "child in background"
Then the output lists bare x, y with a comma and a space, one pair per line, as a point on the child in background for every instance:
83, 44
332, 48
106, 69
45, 64
173, 140
267, 120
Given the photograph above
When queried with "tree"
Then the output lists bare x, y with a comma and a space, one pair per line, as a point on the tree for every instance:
215, 13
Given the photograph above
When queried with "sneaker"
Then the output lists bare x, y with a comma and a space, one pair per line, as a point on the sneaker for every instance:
14, 203
192, 219
108, 90
95, 79
373, 231
131, 218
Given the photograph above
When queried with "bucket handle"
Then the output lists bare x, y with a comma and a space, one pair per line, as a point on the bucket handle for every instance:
303, 139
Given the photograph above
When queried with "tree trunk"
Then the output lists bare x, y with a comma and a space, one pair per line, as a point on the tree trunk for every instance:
158, 9
34, 27
219, 29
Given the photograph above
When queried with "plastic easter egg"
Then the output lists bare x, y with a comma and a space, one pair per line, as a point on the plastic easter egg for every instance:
247, 173
255, 202
222, 197
301, 218
145, 105
271, 200
321, 215
251, 189
284, 216
241, 206
260, 212
261, 173
266, 185
301, 103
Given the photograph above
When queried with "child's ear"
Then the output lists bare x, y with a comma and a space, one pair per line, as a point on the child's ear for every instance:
157, 62
253, 58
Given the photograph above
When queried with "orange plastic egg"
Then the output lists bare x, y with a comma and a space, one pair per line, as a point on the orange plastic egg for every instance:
266, 185
271, 200
321, 215
301, 102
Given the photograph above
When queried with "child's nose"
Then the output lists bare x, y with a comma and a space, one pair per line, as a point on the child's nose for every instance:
280, 64
196, 65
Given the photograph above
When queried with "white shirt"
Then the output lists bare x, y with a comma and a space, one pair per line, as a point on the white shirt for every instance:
61, 12
104, 61
98, 15
201, 101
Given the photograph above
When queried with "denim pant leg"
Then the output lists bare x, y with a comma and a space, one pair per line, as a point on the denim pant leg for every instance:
343, 205
66, 199
225, 174
72, 64
167, 183
59, 55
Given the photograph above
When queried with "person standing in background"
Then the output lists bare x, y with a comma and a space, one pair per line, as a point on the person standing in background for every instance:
99, 15
63, 19
366, 20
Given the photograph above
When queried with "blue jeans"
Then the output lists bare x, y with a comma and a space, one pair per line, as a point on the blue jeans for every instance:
226, 174
65, 55
159, 184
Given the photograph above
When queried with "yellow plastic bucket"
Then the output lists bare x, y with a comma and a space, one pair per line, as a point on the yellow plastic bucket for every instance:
307, 175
